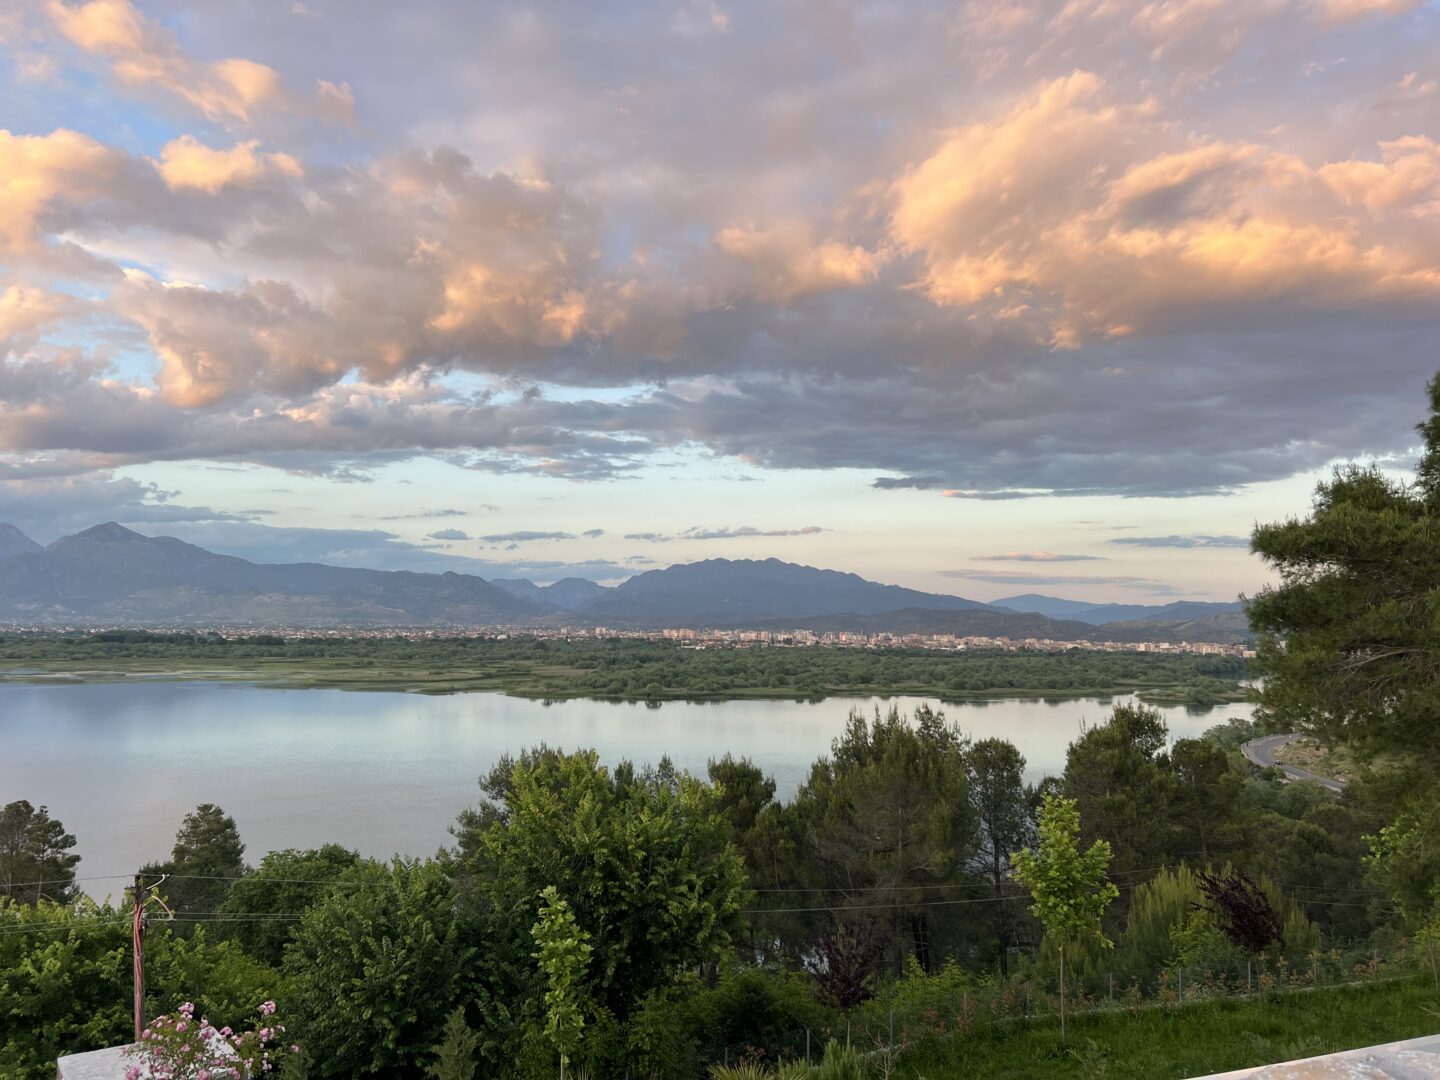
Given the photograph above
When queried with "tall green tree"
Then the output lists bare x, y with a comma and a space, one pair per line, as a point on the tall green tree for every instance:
1205, 800
287, 882
1349, 637
886, 816
376, 967
1070, 887
208, 858
995, 771
563, 951
36, 862
1350, 643
643, 859
1124, 786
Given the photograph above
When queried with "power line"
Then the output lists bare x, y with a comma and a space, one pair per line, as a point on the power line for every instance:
197, 917
876, 907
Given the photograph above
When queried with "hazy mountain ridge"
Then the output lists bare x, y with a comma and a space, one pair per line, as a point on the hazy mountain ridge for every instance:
1055, 607
567, 594
716, 592
111, 575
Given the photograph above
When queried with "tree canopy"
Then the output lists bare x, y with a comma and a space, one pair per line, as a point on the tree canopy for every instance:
35, 859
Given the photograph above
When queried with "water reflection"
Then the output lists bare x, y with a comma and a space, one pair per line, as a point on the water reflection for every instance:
120, 764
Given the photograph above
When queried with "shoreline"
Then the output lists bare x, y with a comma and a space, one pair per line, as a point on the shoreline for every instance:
471, 683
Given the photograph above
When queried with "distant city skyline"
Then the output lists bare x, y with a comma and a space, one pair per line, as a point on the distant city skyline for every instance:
981, 298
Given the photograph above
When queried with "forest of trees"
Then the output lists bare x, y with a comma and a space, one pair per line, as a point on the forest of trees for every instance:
638, 920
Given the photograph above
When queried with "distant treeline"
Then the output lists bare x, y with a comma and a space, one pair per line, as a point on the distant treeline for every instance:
630, 669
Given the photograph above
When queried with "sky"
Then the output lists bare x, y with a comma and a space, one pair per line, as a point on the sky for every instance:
987, 297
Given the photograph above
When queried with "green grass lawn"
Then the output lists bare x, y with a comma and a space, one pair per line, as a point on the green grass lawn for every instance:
1192, 1041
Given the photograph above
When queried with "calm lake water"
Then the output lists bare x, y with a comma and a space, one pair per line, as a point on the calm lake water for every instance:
120, 764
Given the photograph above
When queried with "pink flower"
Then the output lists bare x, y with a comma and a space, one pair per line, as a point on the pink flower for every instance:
294, 1048
267, 1008
132, 1073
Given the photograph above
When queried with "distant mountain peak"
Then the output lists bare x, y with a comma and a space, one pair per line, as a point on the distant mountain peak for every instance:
15, 542
111, 532
731, 591
114, 574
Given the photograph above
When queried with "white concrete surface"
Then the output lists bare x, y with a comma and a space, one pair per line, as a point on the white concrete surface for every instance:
1413, 1059
107, 1064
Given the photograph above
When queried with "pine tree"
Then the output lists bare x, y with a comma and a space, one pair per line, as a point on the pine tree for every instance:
455, 1056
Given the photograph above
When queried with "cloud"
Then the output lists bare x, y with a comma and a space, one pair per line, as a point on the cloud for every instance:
448, 534
697, 532
1334, 11
42, 171
786, 261
188, 163
144, 54
50, 507
524, 536
744, 531
440, 512
593, 533
1195, 541
1037, 556
1116, 256
1139, 241
1016, 577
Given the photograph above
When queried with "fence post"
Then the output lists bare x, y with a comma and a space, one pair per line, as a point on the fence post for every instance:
1180, 972
1314, 970
1249, 984
807, 1046
1112, 988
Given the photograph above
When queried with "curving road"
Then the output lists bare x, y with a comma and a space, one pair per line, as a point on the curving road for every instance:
1262, 753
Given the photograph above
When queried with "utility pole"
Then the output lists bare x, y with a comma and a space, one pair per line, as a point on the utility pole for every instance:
138, 934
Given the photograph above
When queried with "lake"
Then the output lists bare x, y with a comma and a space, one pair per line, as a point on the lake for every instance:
121, 763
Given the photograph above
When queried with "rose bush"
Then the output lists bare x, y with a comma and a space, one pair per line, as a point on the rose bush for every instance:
181, 1047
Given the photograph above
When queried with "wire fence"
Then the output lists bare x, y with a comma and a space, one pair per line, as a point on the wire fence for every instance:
923, 1014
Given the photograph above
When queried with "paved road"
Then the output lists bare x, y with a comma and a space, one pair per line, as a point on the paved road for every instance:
1262, 753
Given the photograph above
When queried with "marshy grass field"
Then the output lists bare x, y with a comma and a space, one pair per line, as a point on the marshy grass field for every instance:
619, 669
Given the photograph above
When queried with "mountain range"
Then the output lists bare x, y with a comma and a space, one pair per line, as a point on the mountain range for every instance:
1099, 614
111, 575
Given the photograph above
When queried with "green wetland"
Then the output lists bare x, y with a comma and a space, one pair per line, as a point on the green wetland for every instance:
623, 670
